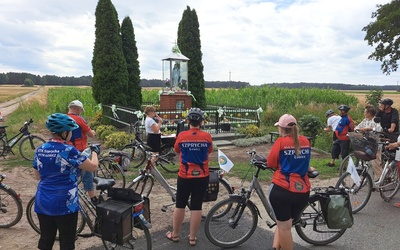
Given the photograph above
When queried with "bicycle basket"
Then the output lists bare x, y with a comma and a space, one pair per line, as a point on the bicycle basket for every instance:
365, 147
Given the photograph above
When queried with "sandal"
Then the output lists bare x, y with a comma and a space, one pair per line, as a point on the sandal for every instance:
170, 235
192, 242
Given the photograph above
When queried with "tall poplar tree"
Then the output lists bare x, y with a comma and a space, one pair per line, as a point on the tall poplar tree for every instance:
134, 93
190, 46
110, 74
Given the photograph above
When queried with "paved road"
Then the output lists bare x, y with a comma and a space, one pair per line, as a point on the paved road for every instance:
375, 227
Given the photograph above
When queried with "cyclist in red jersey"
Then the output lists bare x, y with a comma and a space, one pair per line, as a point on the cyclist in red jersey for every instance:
194, 146
290, 188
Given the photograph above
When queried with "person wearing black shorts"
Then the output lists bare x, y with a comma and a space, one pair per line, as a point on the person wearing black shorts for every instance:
290, 189
194, 147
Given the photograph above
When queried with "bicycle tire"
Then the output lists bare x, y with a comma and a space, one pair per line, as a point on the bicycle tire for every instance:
2, 146
28, 146
359, 196
10, 207
144, 185
220, 229
391, 183
136, 154
141, 238
33, 220
358, 163
111, 170
225, 190
313, 229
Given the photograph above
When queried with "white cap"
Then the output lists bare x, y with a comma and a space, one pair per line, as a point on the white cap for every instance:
76, 103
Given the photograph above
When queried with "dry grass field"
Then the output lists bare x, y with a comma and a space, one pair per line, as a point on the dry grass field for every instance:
9, 92
395, 96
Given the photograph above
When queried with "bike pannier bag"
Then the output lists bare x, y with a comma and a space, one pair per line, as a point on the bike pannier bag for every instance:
213, 186
114, 221
124, 194
336, 209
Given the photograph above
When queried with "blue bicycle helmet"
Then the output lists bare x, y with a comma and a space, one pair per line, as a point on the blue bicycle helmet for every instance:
195, 114
58, 123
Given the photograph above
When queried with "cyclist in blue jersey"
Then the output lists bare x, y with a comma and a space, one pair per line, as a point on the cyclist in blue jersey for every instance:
57, 166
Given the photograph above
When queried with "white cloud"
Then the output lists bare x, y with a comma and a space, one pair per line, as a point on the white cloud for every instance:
248, 40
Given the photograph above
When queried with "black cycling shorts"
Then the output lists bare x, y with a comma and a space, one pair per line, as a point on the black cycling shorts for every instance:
285, 204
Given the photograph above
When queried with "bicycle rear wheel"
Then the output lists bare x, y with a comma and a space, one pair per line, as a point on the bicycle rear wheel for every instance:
313, 229
28, 146
111, 170
359, 195
136, 154
10, 207
391, 183
33, 220
141, 238
232, 228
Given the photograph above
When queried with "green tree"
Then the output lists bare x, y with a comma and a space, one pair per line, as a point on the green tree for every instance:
110, 74
3, 78
384, 34
374, 96
28, 82
134, 92
190, 46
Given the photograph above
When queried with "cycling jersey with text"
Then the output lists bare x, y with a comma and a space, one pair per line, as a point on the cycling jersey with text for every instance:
194, 146
292, 169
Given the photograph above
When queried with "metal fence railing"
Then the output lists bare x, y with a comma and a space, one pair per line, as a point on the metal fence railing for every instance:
218, 119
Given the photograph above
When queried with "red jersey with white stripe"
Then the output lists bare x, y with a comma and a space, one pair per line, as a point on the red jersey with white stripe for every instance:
292, 169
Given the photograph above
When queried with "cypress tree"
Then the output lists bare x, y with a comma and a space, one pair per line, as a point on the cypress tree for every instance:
134, 93
190, 46
110, 74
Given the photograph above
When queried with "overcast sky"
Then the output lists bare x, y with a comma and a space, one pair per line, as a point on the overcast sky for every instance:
252, 41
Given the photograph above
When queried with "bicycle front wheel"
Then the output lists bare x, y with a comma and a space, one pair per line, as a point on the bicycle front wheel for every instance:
141, 238
10, 207
136, 154
111, 170
28, 146
233, 227
359, 195
313, 229
33, 220
358, 163
391, 183
225, 190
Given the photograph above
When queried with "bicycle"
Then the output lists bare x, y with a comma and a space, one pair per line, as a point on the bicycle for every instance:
87, 216
10, 205
136, 150
388, 183
110, 168
28, 145
232, 221
144, 182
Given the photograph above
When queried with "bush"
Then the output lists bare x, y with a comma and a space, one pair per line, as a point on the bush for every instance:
117, 139
103, 130
250, 131
310, 125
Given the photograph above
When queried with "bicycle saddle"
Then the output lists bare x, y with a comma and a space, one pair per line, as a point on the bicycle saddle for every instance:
103, 183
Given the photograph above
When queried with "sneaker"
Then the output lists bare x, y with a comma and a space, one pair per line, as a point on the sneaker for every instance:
330, 164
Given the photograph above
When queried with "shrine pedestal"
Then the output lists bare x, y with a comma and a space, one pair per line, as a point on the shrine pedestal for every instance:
178, 101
